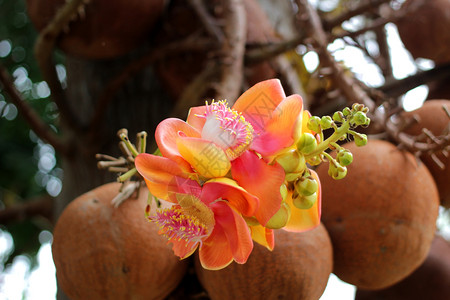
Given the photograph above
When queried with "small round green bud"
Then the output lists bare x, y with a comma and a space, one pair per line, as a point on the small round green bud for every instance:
290, 177
347, 111
359, 118
314, 124
280, 218
360, 139
343, 137
283, 191
357, 107
338, 117
338, 172
291, 161
326, 122
344, 157
307, 143
304, 202
306, 186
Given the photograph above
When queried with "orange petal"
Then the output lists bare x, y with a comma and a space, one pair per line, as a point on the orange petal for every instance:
193, 118
281, 129
158, 173
228, 189
305, 219
182, 248
261, 180
215, 253
235, 229
204, 156
167, 134
258, 102
263, 236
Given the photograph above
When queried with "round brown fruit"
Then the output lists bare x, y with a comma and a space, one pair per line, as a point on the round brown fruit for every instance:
424, 29
433, 117
381, 217
103, 252
430, 281
297, 268
102, 28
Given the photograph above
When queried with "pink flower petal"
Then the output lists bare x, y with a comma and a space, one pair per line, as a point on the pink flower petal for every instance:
193, 118
258, 102
261, 180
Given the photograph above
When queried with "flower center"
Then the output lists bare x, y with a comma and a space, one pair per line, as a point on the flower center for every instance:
227, 128
190, 220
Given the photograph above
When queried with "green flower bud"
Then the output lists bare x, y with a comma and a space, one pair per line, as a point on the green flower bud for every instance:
314, 124
343, 137
359, 118
338, 117
347, 111
326, 122
304, 202
344, 157
314, 161
283, 191
357, 107
307, 143
360, 139
306, 186
290, 177
280, 218
291, 161
338, 172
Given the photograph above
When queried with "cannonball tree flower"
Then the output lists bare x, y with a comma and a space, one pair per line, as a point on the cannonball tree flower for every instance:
207, 217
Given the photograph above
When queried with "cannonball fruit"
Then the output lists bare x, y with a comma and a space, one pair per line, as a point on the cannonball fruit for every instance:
100, 29
424, 30
430, 281
103, 252
381, 217
433, 117
297, 268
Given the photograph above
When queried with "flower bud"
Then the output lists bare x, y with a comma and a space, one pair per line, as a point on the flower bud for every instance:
251, 221
280, 218
307, 143
344, 157
291, 161
347, 111
338, 172
360, 139
338, 117
304, 202
290, 177
314, 161
314, 124
359, 118
306, 186
326, 122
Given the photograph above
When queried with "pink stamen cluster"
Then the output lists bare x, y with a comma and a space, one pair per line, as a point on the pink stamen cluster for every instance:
234, 124
174, 224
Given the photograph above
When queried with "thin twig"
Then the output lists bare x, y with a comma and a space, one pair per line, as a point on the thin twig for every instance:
43, 49
233, 49
36, 123
207, 20
363, 7
262, 52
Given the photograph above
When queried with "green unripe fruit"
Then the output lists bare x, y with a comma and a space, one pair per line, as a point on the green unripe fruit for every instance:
291, 161
306, 186
304, 202
280, 218
307, 143
344, 157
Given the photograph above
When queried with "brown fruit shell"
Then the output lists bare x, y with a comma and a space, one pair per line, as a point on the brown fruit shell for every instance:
381, 217
103, 252
433, 117
430, 281
297, 268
